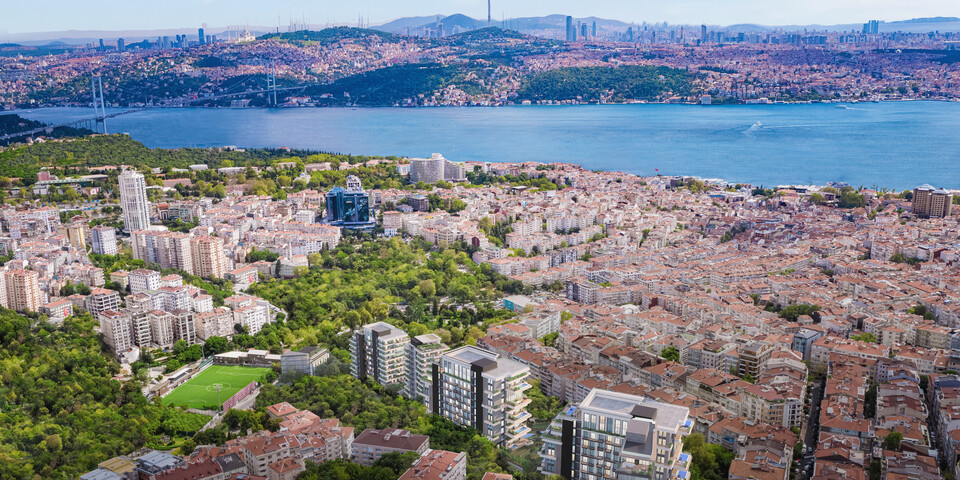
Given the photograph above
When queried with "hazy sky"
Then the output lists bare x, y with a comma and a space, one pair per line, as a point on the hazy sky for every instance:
54, 15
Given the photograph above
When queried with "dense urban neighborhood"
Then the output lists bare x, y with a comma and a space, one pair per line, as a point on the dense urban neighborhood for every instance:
464, 64
225, 313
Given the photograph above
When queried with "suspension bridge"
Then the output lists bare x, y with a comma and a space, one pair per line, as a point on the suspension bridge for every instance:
98, 122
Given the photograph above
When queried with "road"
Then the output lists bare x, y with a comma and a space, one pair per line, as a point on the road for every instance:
809, 429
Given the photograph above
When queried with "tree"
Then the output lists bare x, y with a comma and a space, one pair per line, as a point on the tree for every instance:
398, 462
215, 345
816, 199
864, 337
352, 319
670, 354
892, 441
710, 462
851, 199
427, 289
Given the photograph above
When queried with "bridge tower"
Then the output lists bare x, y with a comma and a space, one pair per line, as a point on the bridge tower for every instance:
99, 106
272, 84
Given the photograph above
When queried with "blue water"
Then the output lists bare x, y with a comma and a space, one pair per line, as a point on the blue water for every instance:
897, 145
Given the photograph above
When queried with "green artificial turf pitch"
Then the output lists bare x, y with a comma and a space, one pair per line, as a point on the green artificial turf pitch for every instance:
200, 391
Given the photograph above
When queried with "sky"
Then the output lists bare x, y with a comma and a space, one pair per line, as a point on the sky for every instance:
21, 16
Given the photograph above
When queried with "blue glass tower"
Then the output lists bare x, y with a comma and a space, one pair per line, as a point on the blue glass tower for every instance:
350, 207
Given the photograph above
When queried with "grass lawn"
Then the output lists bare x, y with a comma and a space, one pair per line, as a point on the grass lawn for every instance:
200, 391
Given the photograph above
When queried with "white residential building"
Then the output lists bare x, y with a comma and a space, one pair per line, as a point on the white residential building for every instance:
133, 201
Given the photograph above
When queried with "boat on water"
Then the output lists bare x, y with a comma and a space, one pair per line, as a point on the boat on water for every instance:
843, 107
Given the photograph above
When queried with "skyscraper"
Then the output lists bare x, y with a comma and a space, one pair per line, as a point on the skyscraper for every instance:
571, 31
703, 34
583, 30
201, 36
594, 29
120, 45
133, 201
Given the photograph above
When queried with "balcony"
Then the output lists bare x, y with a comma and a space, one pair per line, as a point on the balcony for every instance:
522, 417
683, 461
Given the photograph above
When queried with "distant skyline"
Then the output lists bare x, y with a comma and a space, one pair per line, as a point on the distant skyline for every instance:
62, 15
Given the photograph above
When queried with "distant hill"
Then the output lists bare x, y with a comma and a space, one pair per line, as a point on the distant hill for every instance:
488, 34
929, 20
748, 27
330, 35
400, 25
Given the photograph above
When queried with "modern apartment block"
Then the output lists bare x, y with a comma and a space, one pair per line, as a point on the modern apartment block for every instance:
133, 201
167, 249
116, 331
378, 351
617, 436
436, 168
208, 258
931, 202
483, 390
76, 235
103, 239
142, 280
22, 290
423, 352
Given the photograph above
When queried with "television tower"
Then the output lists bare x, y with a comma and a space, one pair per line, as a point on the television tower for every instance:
488, 14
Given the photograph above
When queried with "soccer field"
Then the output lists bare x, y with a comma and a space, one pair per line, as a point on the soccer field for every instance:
200, 391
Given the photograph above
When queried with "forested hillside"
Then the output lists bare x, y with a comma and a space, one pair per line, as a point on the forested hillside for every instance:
61, 410
592, 84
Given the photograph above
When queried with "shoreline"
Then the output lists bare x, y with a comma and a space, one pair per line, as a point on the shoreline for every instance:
419, 107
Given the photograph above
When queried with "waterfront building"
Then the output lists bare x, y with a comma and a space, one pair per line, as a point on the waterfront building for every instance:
436, 168
483, 390
378, 352
103, 240
931, 202
133, 201
613, 435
